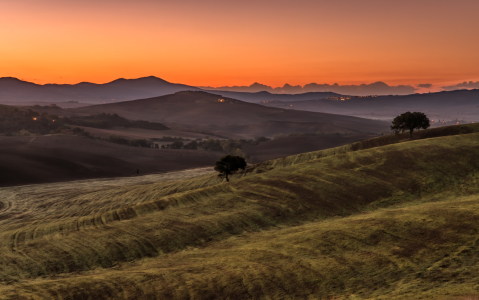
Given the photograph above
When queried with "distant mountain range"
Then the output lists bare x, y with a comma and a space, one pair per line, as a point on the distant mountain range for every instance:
15, 91
376, 88
269, 97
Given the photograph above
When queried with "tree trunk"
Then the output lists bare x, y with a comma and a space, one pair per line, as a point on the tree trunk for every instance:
410, 133
227, 180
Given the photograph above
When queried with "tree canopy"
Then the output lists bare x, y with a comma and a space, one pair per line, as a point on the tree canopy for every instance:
410, 121
229, 164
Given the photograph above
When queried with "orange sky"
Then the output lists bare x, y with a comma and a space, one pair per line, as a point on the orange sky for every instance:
239, 42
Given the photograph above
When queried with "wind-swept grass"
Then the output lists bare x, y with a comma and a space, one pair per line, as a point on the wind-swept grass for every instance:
426, 251
361, 145
368, 223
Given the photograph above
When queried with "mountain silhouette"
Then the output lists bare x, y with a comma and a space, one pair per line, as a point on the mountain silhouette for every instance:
13, 90
375, 88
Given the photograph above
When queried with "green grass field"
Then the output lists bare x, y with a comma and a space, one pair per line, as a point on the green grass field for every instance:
387, 218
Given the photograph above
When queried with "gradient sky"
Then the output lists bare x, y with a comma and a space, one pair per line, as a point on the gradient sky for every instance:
239, 42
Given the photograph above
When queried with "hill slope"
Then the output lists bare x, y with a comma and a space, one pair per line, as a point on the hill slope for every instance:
27, 160
461, 104
205, 109
292, 145
308, 229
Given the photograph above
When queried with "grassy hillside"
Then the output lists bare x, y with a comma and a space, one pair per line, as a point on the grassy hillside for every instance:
291, 145
397, 221
425, 252
361, 145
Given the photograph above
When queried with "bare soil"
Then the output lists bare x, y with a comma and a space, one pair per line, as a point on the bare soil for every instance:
54, 158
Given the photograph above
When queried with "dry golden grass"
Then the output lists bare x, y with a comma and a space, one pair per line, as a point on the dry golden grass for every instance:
361, 145
398, 221
427, 251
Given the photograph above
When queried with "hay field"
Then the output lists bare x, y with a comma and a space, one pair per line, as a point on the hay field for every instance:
392, 222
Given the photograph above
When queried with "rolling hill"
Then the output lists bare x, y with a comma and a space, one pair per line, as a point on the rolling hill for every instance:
461, 105
291, 145
56, 158
395, 220
213, 112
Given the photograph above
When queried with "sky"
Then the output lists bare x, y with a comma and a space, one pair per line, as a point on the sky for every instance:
218, 43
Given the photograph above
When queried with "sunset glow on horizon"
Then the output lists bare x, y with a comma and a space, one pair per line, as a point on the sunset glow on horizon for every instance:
216, 43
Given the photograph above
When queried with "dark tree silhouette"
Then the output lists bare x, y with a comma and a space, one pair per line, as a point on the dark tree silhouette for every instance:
410, 121
229, 164
191, 145
176, 145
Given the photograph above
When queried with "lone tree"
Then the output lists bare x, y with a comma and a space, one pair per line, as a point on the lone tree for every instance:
410, 121
229, 164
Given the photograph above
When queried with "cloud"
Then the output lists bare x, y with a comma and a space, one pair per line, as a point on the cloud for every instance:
376, 88
425, 85
462, 86
254, 88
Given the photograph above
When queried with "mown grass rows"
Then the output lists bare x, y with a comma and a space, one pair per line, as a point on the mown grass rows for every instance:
68, 203
361, 145
426, 251
333, 186
158, 220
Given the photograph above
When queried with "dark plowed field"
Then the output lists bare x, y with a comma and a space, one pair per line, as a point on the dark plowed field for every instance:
27, 160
